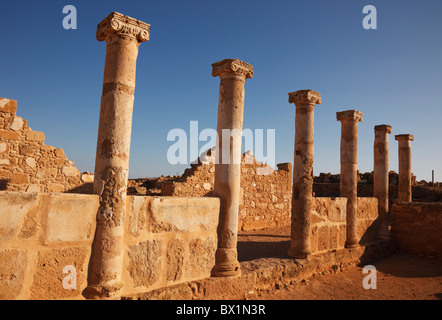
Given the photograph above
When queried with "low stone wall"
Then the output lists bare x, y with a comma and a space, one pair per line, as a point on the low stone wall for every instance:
329, 227
168, 241
41, 234
416, 228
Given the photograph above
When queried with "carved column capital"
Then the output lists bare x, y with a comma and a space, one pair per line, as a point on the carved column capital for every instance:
232, 66
305, 96
122, 26
406, 137
382, 128
353, 115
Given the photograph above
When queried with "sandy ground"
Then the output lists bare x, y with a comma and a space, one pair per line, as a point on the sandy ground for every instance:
398, 277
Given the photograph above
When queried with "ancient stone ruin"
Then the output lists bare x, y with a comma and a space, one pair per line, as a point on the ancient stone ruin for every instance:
177, 237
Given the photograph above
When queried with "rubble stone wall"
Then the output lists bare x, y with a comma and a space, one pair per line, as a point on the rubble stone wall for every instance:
26, 163
167, 241
416, 227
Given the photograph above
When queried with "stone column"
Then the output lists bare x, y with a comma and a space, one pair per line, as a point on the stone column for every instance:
380, 177
349, 179
404, 179
232, 73
123, 35
302, 194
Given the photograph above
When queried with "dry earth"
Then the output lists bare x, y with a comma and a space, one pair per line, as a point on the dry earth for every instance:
399, 277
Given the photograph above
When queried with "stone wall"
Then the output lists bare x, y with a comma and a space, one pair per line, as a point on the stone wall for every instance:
263, 190
26, 163
329, 228
167, 241
416, 228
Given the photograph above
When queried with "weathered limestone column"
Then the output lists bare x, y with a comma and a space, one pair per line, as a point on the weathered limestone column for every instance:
302, 194
232, 73
349, 180
404, 179
380, 177
123, 35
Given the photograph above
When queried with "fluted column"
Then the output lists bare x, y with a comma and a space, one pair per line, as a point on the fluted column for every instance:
349, 180
380, 177
302, 194
123, 35
404, 180
232, 73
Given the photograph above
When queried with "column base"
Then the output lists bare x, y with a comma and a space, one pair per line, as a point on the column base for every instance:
103, 292
351, 244
299, 254
227, 269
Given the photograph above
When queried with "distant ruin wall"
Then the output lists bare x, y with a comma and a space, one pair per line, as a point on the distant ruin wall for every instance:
26, 163
416, 228
263, 190
167, 241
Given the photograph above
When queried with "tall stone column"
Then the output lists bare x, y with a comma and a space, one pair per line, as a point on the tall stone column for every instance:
232, 73
123, 35
404, 180
349, 179
380, 177
302, 194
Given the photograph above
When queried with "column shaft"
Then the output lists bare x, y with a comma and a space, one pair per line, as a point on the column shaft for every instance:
233, 74
112, 157
302, 194
380, 177
404, 179
348, 179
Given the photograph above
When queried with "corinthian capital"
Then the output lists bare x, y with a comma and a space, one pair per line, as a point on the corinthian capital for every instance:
123, 26
234, 66
309, 96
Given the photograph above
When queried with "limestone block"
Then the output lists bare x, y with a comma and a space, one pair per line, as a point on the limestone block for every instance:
30, 162
174, 260
17, 124
201, 258
55, 187
70, 171
70, 217
9, 135
184, 214
59, 153
48, 280
87, 178
8, 105
3, 147
4, 162
14, 207
145, 262
367, 208
34, 188
19, 178
36, 136
12, 273
26, 150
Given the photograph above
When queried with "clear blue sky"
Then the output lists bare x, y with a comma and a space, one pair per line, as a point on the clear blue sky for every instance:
393, 74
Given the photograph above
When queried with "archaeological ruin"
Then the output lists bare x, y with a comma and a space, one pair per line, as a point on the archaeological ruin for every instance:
177, 237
